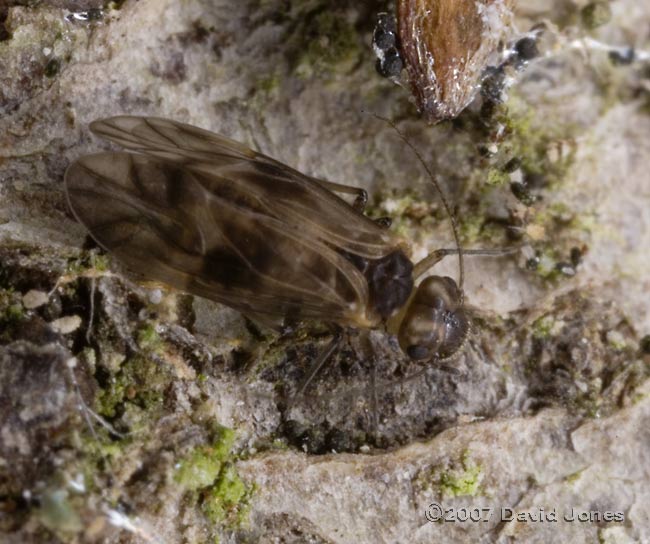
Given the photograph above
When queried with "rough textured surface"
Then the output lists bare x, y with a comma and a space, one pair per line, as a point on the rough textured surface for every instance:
131, 414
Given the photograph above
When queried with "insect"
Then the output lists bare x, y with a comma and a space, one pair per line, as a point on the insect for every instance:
209, 216
445, 46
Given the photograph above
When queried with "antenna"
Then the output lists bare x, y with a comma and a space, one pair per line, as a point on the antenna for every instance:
434, 257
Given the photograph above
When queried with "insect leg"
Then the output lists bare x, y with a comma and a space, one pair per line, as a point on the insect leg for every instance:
374, 403
436, 256
361, 195
369, 350
360, 200
317, 365
384, 222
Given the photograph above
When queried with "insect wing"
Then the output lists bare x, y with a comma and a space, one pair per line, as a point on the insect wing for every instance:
219, 222
299, 200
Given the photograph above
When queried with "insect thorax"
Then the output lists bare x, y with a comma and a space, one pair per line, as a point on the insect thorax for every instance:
390, 282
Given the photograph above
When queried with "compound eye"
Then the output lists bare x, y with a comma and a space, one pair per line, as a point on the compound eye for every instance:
438, 304
417, 353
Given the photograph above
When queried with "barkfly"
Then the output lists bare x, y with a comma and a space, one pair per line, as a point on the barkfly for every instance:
209, 216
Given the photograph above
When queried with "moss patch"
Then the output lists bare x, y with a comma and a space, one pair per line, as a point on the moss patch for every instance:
208, 472
202, 466
227, 500
136, 390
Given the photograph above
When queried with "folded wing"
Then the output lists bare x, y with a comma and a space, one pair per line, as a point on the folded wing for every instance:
297, 199
211, 217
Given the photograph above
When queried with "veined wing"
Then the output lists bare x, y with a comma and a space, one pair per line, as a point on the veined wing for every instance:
296, 199
185, 224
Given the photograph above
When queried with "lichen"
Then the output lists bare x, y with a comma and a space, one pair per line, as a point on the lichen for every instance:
574, 477
596, 13
530, 139
269, 84
460, 477
543, 327
148, 338
530, 156
12, 314
57, 513
471, 227
329, 43
408, 211
616, 340
592, 370
122, 361
546, 264
100, 450
496, 177
464, 481
557, 232
87, 263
